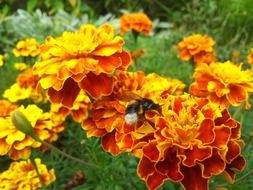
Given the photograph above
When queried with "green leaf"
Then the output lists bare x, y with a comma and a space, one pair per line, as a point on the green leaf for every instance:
31, 4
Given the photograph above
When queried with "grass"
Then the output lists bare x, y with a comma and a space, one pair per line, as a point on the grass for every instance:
119, 173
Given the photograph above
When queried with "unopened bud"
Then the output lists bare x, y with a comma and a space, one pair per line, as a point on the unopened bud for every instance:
20, 121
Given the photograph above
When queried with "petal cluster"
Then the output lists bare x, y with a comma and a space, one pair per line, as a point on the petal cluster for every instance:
224, 83
107, 119
79, 111
27, 47
81, 60
16, 144
138, 22
197, 47
22, 175
193, 141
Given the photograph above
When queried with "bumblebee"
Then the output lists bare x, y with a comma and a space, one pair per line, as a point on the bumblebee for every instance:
137, 108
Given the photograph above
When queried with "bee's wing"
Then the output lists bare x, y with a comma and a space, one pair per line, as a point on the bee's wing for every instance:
130, 96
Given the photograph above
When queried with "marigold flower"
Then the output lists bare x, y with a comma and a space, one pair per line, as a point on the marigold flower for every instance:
224, 83
16, 93
22, 175
6, 108
27, 47
1, 60
27, 79
193, 140
81, 60
108, 115
26, 87
135, 21
20, 66
250, 57
197, 46
17, 144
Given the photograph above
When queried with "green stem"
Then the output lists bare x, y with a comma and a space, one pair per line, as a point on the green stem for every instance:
238, 110
249, 141
38, 173
244, 176
65, 154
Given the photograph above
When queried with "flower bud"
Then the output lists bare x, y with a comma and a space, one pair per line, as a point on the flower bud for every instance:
20, 121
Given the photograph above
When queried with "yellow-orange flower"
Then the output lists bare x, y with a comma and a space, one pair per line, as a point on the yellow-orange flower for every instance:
27, 47
108, 115
193, 140
1, 60
135, 21
17, 144
197, 46
6, 108
81, 60
250, 57
26, 87
20, 66
16, 93
27, 79
22, 175
224, 83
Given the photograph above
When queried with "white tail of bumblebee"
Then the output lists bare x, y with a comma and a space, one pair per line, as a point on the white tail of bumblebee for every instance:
131, 118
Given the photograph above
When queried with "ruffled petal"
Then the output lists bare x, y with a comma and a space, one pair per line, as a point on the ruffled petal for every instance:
67, 95
97, 85
193, 179
109, 143
206, 131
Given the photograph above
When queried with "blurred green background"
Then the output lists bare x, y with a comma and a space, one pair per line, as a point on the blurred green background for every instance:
228, 22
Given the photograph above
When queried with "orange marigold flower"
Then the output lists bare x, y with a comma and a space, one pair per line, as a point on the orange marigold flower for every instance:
135, 21
27, 79
81, 60
250, 57
224, 83
17, 144
28, 47
108, 115
197, 46
6, 108
193, 140
22, 175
